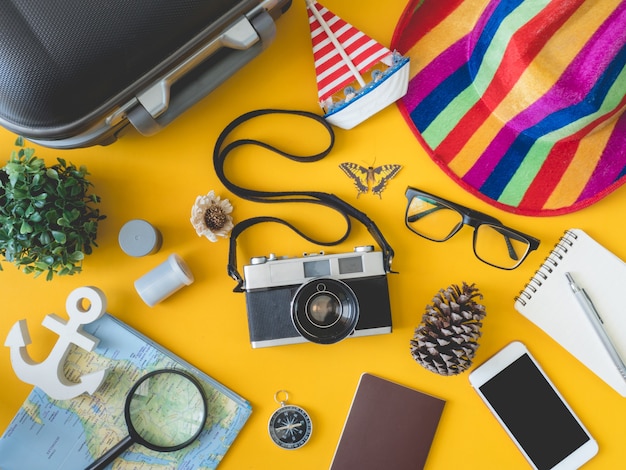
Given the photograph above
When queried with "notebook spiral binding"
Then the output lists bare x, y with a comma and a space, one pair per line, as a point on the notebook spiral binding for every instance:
547, 266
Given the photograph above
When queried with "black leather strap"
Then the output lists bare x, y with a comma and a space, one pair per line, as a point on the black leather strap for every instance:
223, 149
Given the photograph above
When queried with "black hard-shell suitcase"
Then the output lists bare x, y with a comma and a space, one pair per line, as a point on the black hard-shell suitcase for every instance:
75, 73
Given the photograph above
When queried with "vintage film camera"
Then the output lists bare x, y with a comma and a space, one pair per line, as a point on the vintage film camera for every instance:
319, 298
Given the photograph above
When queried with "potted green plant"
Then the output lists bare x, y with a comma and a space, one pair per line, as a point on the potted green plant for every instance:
48, 218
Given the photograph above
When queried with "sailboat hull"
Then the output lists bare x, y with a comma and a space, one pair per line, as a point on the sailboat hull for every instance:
372, 99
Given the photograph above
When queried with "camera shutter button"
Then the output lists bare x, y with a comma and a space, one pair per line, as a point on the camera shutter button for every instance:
364, 249
263, 259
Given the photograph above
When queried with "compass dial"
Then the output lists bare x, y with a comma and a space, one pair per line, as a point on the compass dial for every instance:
290, 427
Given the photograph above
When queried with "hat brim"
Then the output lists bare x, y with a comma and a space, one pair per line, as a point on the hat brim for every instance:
529, 131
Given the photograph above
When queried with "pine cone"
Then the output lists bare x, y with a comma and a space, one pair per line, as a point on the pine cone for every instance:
446, 340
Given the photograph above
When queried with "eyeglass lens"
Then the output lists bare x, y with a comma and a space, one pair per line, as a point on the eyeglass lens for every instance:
495, 245
499, 247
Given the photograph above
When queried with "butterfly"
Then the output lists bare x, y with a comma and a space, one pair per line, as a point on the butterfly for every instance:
376, 177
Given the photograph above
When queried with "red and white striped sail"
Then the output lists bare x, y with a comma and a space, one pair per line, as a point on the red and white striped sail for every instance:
341, 52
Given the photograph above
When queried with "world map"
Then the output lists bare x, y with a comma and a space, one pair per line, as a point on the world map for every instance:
71, 434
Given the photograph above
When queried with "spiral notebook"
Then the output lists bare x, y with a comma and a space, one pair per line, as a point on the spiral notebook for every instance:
548, 301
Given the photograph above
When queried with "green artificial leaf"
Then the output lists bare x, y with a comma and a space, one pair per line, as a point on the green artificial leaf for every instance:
59, 237
52, 174
41, 266
51, 217
77, 256
72, 215
45, 238
26, 228
28, 155
65, 271
35, 217
63, 222
19, 194
25, 260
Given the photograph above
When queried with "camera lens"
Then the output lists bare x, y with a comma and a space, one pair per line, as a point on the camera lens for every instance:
325, 310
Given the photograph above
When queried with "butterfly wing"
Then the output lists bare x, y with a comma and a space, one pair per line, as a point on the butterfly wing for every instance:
357, 174
384, 173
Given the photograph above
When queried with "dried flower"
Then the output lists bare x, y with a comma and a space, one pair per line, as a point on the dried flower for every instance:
210, 216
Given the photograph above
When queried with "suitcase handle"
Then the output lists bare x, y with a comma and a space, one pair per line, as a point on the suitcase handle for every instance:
157, 101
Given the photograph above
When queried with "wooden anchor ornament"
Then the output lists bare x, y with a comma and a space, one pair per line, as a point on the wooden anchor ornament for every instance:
48, 375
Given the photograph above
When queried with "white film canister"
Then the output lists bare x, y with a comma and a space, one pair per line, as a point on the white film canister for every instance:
164, 280
138, 237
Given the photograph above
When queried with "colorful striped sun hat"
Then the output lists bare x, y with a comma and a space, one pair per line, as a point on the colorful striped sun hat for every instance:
520, 101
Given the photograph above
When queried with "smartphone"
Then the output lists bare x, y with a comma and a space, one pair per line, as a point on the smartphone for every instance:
532, 411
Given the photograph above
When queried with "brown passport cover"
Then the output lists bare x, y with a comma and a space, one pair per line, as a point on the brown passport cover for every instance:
388, 426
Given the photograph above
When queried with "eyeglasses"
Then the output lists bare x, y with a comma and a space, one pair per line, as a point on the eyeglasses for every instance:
437, 219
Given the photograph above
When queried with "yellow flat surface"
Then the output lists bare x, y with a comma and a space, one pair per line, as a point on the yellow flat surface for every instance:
158, 179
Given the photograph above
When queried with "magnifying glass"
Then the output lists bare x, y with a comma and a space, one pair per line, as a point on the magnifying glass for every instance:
165, 411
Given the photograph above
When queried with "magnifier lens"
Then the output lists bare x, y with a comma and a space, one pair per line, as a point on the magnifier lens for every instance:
166, 410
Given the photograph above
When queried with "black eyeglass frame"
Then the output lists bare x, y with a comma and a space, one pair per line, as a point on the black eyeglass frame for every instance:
474, 219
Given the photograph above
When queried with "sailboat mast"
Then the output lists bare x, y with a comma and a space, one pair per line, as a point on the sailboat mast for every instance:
336, 43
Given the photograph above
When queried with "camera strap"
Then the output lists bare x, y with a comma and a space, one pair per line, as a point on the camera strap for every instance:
223, 149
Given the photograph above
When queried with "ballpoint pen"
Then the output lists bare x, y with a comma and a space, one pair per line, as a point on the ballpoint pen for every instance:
598, 325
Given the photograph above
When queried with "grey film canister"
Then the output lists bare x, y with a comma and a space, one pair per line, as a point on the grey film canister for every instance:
139, 238
162, 281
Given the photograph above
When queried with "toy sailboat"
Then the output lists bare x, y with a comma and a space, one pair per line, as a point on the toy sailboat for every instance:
356, 76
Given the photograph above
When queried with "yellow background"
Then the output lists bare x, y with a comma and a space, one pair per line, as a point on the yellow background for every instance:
158, 179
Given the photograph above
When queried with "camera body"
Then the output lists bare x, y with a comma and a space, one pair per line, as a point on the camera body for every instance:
319, 298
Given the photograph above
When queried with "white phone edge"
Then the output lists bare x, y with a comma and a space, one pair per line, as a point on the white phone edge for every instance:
499, 361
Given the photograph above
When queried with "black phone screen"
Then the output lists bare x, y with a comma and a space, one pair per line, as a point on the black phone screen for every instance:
534, 413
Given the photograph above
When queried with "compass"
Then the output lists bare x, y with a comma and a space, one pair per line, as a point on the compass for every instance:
289, 426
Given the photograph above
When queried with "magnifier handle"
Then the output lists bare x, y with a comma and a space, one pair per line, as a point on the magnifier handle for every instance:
111, 454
